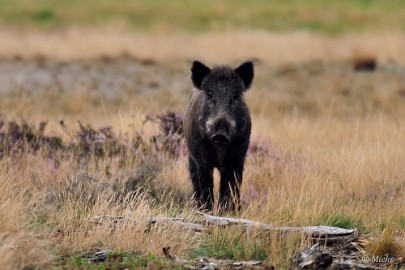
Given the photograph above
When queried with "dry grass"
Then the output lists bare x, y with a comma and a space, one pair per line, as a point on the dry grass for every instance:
331, 168
349, 167
386, 245
20, 243
46, 213
273, 48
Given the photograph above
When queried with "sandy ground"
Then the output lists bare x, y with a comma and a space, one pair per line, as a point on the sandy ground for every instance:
275, 48
103, 75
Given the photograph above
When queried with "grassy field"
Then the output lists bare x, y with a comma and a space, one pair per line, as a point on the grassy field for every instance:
314, 15
91, 101
325, 151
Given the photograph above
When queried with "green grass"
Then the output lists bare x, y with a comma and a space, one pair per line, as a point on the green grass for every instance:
200, 15
342, 221
401, 222
234, 243
227, 244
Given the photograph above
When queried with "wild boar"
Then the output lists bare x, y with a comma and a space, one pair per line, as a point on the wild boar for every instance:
217, 127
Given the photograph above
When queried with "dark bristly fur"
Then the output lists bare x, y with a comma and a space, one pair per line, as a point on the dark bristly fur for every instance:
217, 126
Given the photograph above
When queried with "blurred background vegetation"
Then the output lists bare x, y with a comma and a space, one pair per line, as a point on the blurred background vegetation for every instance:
330, 17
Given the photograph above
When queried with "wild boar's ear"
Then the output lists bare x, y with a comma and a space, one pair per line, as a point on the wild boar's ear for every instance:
246, 73
198, 73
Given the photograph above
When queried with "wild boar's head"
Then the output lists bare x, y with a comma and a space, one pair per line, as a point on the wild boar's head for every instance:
224, 113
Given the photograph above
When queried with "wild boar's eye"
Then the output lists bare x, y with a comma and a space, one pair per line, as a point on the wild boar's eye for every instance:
209, 95
235, 97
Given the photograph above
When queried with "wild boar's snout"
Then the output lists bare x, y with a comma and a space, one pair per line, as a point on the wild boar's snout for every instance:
220, 139
222, 131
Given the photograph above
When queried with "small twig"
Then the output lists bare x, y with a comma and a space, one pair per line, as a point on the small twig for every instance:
99, 219
166, 252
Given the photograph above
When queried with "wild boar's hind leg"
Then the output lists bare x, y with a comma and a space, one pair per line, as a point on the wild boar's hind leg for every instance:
203, 185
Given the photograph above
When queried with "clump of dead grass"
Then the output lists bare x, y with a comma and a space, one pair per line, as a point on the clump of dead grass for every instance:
21, 245
23, 250
386, 245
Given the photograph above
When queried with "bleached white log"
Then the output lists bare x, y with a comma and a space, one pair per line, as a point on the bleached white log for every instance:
328, 233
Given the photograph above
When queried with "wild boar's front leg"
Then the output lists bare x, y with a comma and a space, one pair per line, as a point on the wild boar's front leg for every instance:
231, 179
203, 185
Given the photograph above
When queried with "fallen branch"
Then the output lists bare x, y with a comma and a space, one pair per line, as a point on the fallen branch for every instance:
178, 221
100, 219
328, 234
188, 225
322, 233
